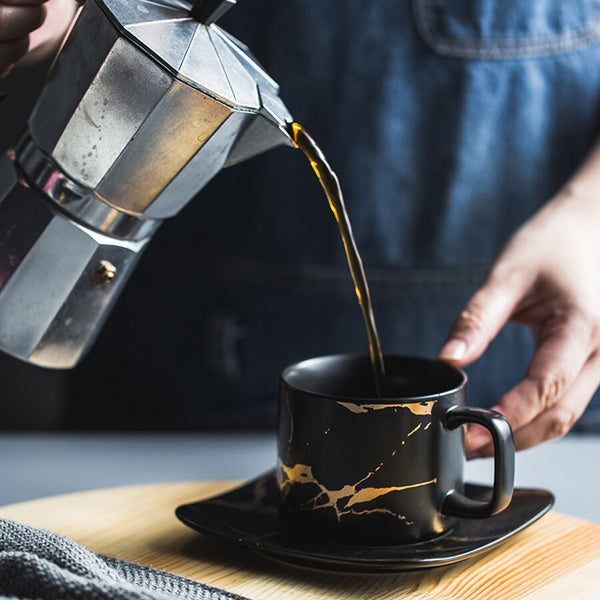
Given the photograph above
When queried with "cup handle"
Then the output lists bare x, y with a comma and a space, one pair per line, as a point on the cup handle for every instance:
458, 504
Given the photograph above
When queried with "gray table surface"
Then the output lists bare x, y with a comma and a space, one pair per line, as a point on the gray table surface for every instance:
34, 465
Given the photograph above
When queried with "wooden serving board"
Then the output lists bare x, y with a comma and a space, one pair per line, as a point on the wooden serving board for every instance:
557, 557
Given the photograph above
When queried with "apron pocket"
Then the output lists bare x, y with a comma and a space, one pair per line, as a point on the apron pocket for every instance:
511, 29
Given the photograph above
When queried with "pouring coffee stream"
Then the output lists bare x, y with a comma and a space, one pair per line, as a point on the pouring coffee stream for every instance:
333, 191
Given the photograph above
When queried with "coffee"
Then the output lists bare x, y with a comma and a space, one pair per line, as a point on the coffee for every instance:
333, 191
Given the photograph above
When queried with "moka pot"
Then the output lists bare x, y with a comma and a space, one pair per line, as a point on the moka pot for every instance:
146, 102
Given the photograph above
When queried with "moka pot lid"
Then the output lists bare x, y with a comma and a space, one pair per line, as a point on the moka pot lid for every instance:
183, 39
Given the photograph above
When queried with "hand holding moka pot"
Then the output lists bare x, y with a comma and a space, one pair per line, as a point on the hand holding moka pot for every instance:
125, 133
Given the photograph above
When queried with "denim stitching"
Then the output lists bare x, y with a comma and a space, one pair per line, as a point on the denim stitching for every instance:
236, 271
500, 48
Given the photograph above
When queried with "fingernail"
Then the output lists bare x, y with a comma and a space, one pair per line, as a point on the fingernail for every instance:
453, 350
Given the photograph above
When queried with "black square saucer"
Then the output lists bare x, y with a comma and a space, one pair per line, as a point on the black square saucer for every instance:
248, 516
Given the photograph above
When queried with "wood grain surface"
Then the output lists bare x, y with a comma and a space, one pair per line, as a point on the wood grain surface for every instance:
557, 557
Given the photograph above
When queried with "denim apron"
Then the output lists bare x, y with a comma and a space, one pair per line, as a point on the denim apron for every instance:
449, 123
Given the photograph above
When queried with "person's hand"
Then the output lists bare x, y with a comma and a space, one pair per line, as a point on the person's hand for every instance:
31, 27
547, 277
18, 18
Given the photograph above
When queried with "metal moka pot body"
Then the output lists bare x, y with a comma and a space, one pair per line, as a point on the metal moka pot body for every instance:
145, 103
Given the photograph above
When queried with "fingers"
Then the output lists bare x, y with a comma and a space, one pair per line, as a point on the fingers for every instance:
45, 39
564, 349
553, 423
484, 315
560, 380
478, 442
18, 21
557, 421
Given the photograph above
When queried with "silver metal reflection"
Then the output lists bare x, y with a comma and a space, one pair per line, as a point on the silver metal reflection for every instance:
126, 132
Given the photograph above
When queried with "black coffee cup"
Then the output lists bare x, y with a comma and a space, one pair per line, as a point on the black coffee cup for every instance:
362, 469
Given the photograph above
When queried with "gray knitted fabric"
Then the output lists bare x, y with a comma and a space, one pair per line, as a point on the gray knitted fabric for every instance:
39, 565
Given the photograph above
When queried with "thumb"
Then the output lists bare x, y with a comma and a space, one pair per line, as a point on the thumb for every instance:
483, 316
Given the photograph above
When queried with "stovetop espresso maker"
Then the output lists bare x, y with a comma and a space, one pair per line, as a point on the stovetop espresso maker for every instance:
145, 103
